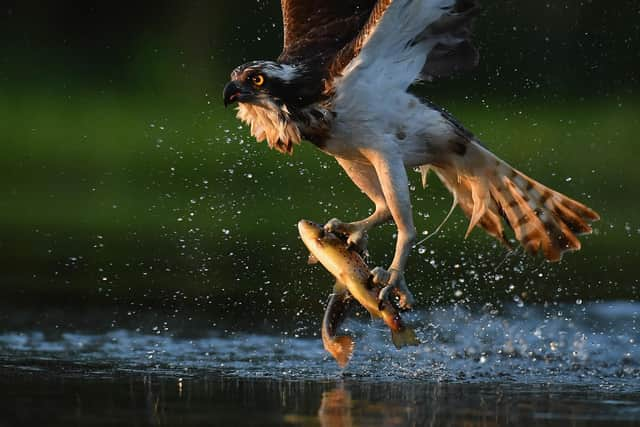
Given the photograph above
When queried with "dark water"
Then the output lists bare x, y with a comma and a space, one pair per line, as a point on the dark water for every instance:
57, 398
575, 364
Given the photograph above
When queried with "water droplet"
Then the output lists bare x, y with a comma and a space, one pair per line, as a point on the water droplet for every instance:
518, 301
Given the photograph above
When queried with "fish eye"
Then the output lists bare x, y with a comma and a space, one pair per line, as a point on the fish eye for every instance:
258, 79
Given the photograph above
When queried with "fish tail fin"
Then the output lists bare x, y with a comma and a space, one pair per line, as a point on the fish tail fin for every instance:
404, 336
341, 348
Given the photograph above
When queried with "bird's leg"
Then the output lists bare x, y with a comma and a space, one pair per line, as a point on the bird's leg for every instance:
364, 176
394, 183
357, 230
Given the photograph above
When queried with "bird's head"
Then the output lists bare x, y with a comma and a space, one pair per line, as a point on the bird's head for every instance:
268, 95
263, 83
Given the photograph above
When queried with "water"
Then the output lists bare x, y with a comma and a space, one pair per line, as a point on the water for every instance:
574, 364
222, 401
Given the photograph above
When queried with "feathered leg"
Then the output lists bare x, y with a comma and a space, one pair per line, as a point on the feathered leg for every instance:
386, 184
364, 176
392, 176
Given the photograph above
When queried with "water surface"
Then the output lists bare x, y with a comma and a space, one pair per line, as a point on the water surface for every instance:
572, 364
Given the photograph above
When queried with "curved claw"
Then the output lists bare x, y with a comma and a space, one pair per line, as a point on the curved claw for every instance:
334, 225
358, 239
355, 233
406, 299
384, 295
393, 281
380, 276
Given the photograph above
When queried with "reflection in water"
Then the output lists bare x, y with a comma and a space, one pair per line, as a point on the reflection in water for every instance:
335, 408
441, 404
54, 394
338, 409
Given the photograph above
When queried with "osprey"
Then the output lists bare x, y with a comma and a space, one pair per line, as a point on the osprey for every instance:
341, 82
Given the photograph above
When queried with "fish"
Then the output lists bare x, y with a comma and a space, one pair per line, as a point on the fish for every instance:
353, 280
339, 346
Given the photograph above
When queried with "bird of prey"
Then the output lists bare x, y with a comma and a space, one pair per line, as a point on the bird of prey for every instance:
342, 83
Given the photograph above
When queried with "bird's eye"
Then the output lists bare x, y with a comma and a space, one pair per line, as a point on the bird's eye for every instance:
258, 79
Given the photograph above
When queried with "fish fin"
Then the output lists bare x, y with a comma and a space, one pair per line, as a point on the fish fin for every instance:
339, 288
341, 348
312, 259
403, 337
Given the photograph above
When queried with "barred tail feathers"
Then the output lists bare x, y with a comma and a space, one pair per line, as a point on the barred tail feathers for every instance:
489, 190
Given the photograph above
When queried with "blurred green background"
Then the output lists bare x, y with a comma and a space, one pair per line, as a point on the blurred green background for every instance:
126, 184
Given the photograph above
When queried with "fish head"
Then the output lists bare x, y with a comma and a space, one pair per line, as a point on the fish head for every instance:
326, 248
310, 230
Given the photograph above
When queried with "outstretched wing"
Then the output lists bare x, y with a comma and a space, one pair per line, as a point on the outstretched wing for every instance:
333, 33
405, 40
454, 51
318, 29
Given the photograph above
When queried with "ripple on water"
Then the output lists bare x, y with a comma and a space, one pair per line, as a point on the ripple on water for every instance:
593, 344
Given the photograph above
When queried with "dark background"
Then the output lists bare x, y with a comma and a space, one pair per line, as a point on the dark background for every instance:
127, 188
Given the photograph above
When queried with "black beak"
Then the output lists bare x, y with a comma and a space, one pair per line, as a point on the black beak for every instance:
231, 93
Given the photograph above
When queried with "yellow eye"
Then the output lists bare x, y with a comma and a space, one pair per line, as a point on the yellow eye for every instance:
258, 80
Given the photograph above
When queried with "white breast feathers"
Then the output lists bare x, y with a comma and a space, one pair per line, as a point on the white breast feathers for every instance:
271, 122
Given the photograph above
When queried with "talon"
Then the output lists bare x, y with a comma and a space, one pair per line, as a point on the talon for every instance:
384, 294
334, 225
393, 281
358, 240
406, 300
380, 276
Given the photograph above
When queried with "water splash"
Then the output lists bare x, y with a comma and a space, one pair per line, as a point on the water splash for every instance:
592, 344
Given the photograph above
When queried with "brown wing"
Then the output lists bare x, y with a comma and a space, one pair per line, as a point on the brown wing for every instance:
335, 31
318, 29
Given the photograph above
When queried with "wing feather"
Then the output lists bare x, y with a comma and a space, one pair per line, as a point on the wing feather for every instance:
415, 39
455, 53
353, 48
318, 29
405, 40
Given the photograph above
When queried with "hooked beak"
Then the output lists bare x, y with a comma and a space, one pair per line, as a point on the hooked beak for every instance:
234, 93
